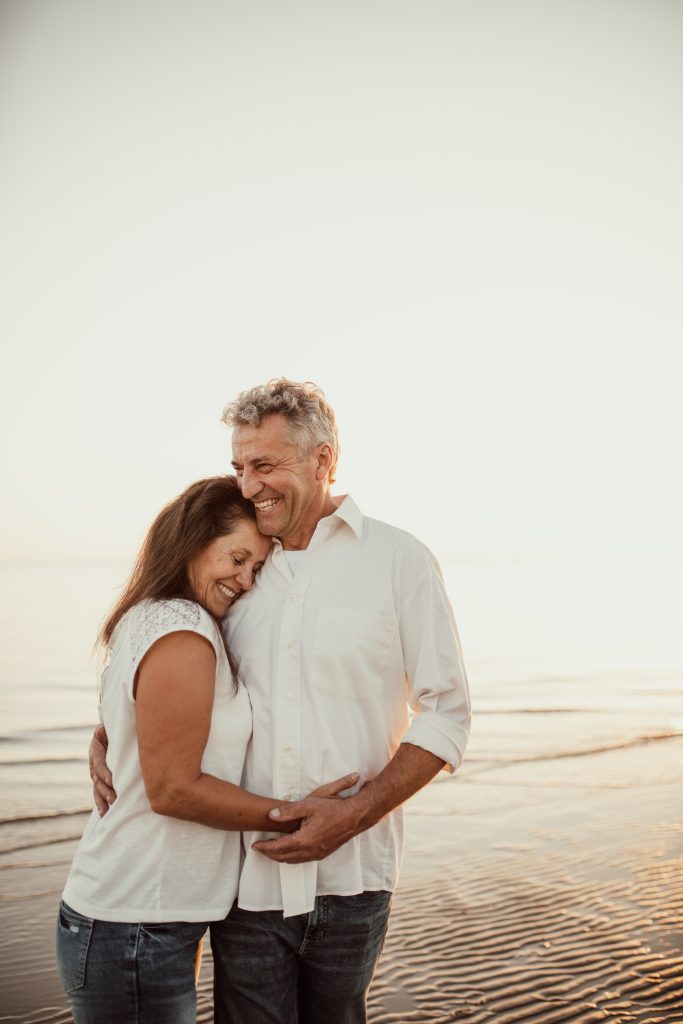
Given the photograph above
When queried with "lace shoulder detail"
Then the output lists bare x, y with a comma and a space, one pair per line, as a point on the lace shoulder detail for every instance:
150, 620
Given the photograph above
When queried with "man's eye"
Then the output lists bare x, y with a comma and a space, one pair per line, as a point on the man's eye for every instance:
238, 561
264, 467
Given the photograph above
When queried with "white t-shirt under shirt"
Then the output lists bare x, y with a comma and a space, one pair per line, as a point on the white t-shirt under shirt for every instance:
135, 865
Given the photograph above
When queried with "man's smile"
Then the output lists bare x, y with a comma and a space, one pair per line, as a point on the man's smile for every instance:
263, 506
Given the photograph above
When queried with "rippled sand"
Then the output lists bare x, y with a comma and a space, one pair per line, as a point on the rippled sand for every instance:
534, 890
562, 903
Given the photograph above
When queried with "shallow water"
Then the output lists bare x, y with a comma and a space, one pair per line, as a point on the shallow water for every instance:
597, 643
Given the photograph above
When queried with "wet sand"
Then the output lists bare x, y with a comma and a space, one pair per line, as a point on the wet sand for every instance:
538, 889
558, 898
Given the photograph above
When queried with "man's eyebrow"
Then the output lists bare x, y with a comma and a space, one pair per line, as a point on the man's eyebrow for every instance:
254, 460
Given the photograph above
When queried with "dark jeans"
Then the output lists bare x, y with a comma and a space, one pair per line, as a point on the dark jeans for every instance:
128, 973
308, 969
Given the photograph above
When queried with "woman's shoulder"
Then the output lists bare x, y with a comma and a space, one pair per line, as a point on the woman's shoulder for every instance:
152, 619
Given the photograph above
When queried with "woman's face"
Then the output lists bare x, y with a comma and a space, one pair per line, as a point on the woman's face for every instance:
228, 566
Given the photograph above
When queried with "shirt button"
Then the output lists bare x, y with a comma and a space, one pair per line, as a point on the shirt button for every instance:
292, 598
290, 695
287, 747
287, 798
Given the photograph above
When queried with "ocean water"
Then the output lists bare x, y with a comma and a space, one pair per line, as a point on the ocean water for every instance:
563, 656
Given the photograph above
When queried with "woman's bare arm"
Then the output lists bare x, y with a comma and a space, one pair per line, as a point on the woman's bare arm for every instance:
174, 701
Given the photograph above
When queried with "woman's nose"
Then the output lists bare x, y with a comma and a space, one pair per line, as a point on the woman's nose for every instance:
245, 578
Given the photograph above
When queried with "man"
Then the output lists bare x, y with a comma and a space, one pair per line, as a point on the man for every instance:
347, 623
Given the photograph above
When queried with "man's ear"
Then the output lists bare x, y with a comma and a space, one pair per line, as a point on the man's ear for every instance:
325, 460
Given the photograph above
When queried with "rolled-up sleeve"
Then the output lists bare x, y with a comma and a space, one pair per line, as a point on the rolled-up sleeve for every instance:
436, 680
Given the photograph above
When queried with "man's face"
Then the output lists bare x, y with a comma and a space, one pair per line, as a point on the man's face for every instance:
284, 488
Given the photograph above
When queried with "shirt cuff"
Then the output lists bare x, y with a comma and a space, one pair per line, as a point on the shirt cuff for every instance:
443, 739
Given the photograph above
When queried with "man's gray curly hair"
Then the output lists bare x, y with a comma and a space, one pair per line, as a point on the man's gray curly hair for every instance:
310, 416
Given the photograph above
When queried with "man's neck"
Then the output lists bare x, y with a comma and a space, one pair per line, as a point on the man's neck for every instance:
300, 540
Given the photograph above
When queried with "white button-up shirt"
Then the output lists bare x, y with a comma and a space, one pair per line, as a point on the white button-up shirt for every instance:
333, 653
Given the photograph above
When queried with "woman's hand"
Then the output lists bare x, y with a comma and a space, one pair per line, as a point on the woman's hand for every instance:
102, 789
338, 786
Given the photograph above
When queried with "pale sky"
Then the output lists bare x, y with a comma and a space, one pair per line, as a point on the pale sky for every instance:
462, 219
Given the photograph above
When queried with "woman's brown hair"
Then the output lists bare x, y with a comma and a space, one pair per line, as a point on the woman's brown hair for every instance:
206, 510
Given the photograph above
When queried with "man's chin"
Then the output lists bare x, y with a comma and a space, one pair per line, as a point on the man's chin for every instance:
267, 525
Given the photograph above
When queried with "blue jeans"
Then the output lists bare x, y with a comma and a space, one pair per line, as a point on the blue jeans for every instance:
308, 969
128, 973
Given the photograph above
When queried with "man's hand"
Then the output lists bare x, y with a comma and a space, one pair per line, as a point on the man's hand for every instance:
326, 806
103, 792
327, 824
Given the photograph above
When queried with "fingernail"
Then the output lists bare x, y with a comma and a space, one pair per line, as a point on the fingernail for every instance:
355, 775
275, 813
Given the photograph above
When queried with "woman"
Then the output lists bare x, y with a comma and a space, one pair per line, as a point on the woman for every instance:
149, 875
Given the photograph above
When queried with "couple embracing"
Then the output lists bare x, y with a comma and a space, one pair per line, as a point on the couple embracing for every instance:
262, 662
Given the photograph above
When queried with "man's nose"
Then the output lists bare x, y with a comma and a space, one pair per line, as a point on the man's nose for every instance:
250, 485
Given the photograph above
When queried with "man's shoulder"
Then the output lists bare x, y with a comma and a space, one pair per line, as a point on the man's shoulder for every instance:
377, 531
406, 557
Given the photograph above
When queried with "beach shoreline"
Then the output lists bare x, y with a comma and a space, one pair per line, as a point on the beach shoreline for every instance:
541, 890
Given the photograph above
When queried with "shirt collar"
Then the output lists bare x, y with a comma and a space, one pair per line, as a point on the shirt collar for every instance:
349, 513
346, 511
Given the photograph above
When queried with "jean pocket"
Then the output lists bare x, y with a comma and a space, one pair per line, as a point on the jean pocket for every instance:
73, 940
170, 938
182, 929
370, 898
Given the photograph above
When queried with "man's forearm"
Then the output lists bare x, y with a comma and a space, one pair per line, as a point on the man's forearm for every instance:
409, 770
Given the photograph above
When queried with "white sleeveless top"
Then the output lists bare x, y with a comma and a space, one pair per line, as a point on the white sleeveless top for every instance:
134, 865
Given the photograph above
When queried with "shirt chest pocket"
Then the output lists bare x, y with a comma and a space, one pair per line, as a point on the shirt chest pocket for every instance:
350, 652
